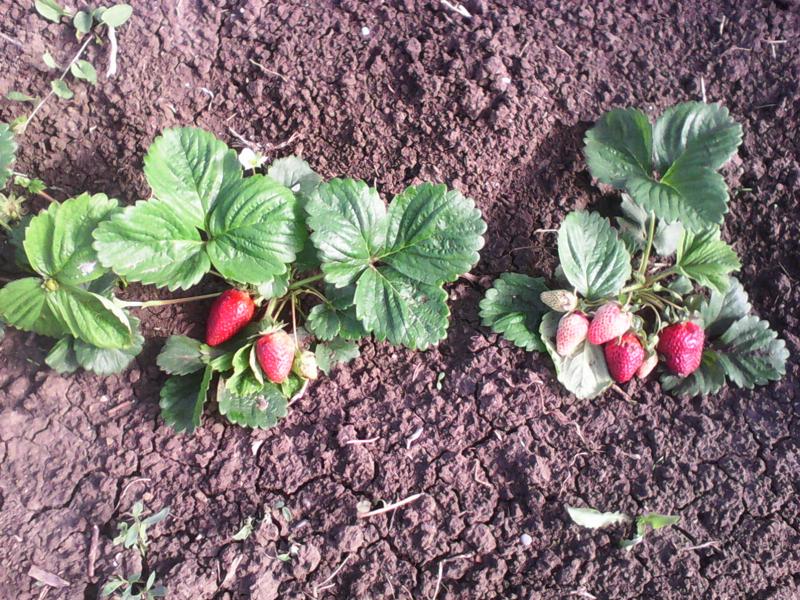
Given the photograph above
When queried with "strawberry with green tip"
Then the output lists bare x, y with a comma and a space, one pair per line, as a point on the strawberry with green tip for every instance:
231, 311
275, 353
682, 347
624, 357
571, 332
305, 365
609, 322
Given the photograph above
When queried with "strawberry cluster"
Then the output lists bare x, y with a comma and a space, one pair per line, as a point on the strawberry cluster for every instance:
680, 344
276, 351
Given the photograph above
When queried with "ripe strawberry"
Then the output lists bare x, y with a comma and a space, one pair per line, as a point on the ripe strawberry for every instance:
571, 332
609, 322
682, 347
624, 357
647, 366
275, 353
231, 311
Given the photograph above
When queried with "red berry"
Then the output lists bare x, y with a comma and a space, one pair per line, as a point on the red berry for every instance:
624, 357
231, 311
682, 347
275, 353
571, 332
609, 322
647, 366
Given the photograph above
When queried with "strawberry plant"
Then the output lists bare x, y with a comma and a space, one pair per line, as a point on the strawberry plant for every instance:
655, 284
289, 247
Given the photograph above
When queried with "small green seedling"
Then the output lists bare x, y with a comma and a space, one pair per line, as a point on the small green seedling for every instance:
134, 534
594, 519
245, 532
98, 24
134, 587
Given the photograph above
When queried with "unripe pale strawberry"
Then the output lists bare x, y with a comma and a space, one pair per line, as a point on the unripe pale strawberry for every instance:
624, 356
231, 311
275, 353
305, 365
559, 300
682, 347
571, 332
647, 366
609, 322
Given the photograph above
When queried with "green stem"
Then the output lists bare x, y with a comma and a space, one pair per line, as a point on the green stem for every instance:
153, 303
651, 232
303, 282
313, 292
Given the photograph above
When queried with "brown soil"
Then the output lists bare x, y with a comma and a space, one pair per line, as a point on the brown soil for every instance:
496, 105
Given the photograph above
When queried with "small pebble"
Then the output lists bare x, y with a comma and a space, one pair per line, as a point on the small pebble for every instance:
365, 31
525, 539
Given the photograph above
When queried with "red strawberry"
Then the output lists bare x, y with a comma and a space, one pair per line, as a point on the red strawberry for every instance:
609, 322
624, 357
275, 353
571, 332
231, 311
682, 347
647, 366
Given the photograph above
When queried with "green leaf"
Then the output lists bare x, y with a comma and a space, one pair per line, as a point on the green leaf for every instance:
244, 401
657, 521
275, 287
706, 259
594, 519
90, 317
151, 243
255, 230
112, 586
23, 304
513, 309
82, 22
83, 69
695, 134
594, 259
154, 519
722, 310
584, 372
182, 355
50, 10
107, 361
16, 96
61, 89
402, 310
335, 352
695, 196
117, 15
182, 399
295, 173
49, 61
708, 379
187, 168
323, 321
58, 241
61, 357
433, 234
348, 221
751, 353
34, 186
8, 152
620, 145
